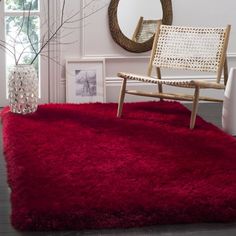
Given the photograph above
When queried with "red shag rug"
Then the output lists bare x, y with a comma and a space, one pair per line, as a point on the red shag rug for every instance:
76, 167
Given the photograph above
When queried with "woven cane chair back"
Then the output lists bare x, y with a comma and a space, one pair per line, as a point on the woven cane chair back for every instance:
145, 31
190, 48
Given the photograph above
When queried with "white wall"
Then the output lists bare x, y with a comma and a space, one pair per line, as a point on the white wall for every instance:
95, 40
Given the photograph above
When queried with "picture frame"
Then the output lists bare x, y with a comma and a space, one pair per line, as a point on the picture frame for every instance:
85, 80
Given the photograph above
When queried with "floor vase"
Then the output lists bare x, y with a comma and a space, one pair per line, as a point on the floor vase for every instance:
23, 89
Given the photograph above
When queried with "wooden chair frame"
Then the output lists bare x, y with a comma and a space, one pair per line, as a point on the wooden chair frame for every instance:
195, 84
140, 30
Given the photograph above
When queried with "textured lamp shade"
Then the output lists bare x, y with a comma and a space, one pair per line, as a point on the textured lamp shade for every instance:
23, 89
229, 106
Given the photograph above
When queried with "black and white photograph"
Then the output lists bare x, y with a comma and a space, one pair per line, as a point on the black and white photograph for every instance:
86, 83
85, 80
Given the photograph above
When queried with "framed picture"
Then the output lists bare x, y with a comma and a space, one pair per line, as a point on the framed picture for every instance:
85, 81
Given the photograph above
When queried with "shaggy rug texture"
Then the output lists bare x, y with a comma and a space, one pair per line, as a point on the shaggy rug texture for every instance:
74, 167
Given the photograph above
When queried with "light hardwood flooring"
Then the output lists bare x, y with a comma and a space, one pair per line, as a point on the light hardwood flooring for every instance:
211, 113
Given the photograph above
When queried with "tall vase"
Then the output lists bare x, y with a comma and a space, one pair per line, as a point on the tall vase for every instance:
23, 89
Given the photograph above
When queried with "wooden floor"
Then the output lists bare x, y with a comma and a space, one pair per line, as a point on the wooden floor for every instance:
211, 113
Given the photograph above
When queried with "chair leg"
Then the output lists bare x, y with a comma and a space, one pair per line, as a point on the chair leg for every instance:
160, 90
194, 109
121, 98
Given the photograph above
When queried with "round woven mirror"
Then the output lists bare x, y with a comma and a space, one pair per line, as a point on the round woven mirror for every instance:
121, 37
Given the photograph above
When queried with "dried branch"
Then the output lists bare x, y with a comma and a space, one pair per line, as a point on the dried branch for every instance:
28, 26
85, 17
52, 59
7, 49
62, 11
12, 46
6, 44
28, 35
18, 33
50, 37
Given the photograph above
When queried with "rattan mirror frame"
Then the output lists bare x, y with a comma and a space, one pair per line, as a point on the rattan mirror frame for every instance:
127, 43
